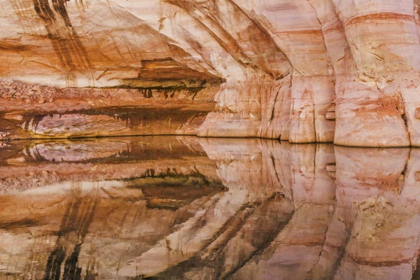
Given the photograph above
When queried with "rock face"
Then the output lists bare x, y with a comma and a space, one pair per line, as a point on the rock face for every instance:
300, 70
190, 208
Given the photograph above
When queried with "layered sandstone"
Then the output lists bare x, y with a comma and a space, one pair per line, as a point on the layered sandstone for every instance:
299, 70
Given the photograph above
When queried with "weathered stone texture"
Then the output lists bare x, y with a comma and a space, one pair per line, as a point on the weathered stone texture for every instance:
301, 70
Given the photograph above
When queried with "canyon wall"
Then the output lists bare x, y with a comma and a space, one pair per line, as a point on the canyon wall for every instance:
299, 70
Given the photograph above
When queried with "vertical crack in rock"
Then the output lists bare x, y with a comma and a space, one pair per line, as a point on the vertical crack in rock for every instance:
311, 272
417, 17
341, 253
330, 72
402, 109
342, 24
316, 136
330, 67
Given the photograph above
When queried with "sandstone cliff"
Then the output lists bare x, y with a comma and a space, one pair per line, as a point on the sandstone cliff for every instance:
299, 70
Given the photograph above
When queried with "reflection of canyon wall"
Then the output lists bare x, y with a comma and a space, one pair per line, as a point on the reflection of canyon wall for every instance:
86, 208
192, 208
299, 70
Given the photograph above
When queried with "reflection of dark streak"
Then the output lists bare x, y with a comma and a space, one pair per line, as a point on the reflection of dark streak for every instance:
37, 155
262, 243
71, 270
55, 260
216, 260
27, 155
76, 219
90, 275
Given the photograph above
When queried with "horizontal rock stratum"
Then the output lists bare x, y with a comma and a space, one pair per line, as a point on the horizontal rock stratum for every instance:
342, 71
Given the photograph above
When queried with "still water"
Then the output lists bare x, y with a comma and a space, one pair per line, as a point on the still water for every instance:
190, 208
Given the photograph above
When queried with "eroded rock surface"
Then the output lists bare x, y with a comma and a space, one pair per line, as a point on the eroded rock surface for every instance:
301, 70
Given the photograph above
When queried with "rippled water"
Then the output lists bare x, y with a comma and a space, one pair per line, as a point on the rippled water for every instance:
190, 208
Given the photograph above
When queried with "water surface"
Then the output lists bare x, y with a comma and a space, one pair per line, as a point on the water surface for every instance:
191, 208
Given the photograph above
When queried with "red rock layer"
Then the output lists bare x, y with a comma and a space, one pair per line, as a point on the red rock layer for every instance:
300, 70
